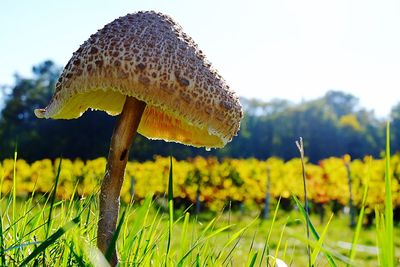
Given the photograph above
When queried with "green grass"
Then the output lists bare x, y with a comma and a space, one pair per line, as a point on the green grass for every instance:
357, 232
42, 231
143, 238
384, 221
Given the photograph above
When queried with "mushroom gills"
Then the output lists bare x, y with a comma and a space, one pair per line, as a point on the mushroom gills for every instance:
77, 104
155, 123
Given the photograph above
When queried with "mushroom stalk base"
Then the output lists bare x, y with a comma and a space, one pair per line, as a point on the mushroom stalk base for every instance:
121, 141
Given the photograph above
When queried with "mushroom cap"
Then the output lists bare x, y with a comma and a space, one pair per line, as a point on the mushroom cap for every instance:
146, 55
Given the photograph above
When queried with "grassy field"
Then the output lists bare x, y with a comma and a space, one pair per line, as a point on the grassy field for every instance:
40, 230
223, 239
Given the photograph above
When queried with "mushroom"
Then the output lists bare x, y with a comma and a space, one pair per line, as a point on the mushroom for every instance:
145, 68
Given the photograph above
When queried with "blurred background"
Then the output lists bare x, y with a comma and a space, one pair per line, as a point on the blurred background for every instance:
326, 71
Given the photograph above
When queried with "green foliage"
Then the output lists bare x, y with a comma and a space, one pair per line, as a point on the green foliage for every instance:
313, 231
334, 123
50, 241
384, 221
357, 231
48, 138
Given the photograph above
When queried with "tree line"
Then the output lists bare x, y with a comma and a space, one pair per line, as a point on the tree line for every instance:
332, 125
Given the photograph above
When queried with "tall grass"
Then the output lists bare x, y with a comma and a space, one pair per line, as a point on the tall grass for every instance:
170, 208
384, 221
358, 229
43, 231
66, 237
14, 194
300, 147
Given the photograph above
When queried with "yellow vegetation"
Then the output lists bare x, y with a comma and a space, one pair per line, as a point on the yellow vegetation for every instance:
242, 180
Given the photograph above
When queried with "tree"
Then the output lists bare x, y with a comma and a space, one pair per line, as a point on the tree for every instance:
341, 103
48, 138
332, 125
17, 119
85, 138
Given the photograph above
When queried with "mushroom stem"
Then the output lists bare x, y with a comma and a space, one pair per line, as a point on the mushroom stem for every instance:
121, 142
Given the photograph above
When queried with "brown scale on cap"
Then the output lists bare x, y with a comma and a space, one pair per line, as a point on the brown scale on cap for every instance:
146, 55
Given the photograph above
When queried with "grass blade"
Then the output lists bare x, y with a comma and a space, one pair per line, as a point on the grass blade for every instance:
279, 243
229, 256
325, 249
138, 228
266, 247
184, 237
384, 222
285, 250
380, 232
78, 258
170, 208
142, 214
235, 236
2, 254
312, 229
170, 181
199, 241
14, 196
357, 231
253, 260
300, 146
389, 248
53, 197
112, 247
320, 242
51, 240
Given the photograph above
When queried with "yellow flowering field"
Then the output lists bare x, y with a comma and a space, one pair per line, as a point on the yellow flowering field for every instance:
216, 181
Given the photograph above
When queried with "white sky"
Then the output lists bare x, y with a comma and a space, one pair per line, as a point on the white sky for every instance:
265, 49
